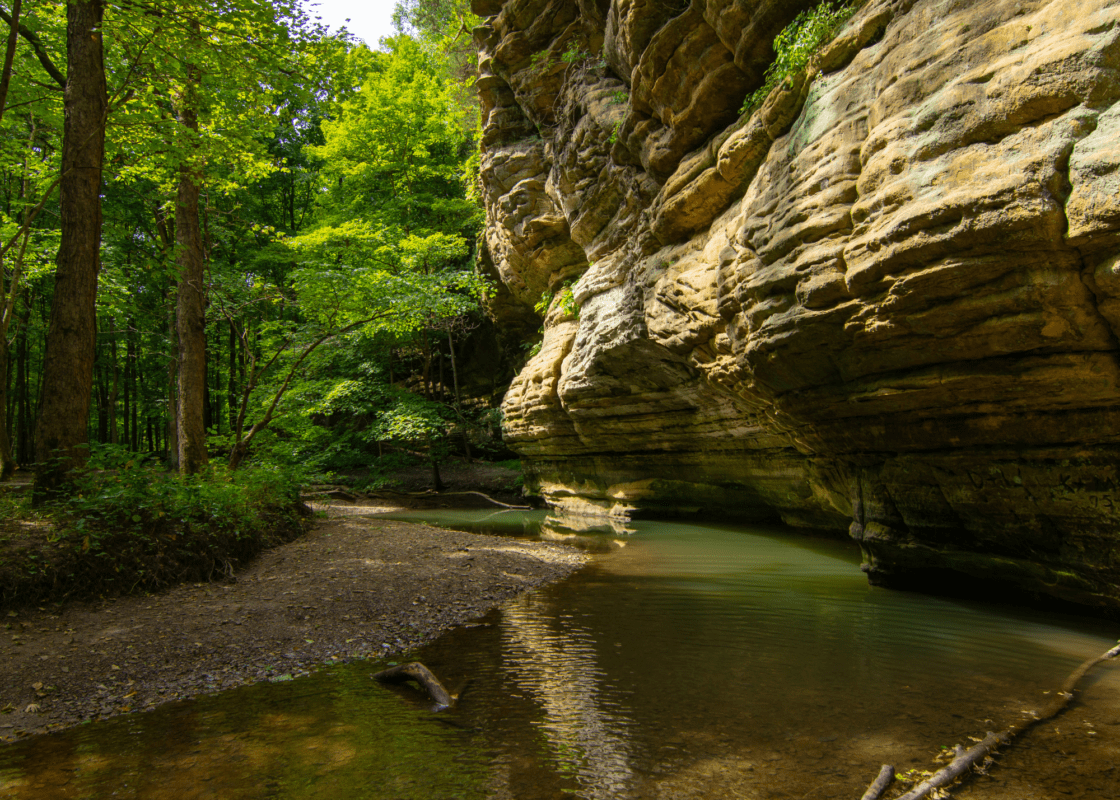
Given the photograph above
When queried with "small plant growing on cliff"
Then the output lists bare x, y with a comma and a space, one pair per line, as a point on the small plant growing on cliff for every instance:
619, 98
614, 132
543, 304
575, 55
567, 302
798, 42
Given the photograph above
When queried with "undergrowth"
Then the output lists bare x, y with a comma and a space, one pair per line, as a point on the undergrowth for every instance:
129, 527
799, 42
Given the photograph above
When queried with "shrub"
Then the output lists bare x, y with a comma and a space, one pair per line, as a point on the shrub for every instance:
131, 526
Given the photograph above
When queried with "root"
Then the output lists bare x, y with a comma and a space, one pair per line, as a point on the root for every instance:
966, 759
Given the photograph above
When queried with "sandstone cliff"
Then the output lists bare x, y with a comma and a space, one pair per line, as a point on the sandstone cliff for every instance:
886, 301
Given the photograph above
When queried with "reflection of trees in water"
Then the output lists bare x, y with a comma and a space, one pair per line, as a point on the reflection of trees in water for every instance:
560, 670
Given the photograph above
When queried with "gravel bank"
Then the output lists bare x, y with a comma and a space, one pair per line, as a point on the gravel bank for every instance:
354, 587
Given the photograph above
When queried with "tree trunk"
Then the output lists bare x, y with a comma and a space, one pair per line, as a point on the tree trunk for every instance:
7, 463
231, 397
454, 367
61, 436
191, 322
23, 402
102, 395
173, 391
137, 386
114, 393
127, 393
427, 366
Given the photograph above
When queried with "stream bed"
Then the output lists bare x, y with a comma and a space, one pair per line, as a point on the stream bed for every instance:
686, 661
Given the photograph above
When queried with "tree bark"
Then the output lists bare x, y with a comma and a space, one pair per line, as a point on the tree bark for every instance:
190, 318
61, 436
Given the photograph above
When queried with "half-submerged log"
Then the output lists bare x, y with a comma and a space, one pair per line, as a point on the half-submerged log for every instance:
416, 671
966, 759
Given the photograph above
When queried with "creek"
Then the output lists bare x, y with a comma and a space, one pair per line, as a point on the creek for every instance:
686, 661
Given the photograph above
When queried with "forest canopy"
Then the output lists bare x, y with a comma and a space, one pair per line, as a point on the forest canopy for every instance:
230, 234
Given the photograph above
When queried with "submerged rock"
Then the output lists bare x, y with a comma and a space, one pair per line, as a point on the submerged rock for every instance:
885, 302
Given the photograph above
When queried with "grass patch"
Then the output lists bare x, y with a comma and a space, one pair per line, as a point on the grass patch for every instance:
130, 527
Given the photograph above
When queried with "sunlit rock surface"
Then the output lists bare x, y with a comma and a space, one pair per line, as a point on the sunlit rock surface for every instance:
887, 301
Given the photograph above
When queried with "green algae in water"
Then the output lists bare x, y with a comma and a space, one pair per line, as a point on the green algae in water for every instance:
331, 735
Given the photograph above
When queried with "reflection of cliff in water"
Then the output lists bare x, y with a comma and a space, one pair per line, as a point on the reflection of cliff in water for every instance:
560, 670
593, 534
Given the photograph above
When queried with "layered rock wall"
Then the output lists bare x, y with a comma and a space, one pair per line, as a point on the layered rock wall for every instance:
886, 301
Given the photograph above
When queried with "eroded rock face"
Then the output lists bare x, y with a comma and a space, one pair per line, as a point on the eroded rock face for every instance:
887, 301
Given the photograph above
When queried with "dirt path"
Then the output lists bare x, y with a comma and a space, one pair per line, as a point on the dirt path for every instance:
354, 587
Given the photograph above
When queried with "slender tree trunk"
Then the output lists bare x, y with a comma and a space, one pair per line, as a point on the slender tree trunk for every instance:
61, 435
102, 395
427, 366
454, 368
114, 392
231, 397
191, 323
133, 374
173, 388
439, 360
23, 402
127, 393
7, 463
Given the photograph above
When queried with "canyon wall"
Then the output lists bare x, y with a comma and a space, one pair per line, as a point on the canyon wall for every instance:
886, 301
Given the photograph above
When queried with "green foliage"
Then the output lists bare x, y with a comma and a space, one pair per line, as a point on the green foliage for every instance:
121, 493
567, 301
799, 42
131, 525
544, 303
619, 98
614, 131
415, 423
575, 55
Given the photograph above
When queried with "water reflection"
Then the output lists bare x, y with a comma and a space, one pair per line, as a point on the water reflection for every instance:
555, 661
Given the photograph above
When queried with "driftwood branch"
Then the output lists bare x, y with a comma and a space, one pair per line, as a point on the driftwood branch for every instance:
429, 493
880, 784
966, 759
330, 494
416, 671
486, 497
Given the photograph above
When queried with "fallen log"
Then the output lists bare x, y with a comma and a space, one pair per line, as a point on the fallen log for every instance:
880, 784
416, 671
331, 494
966, 759
430, 493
